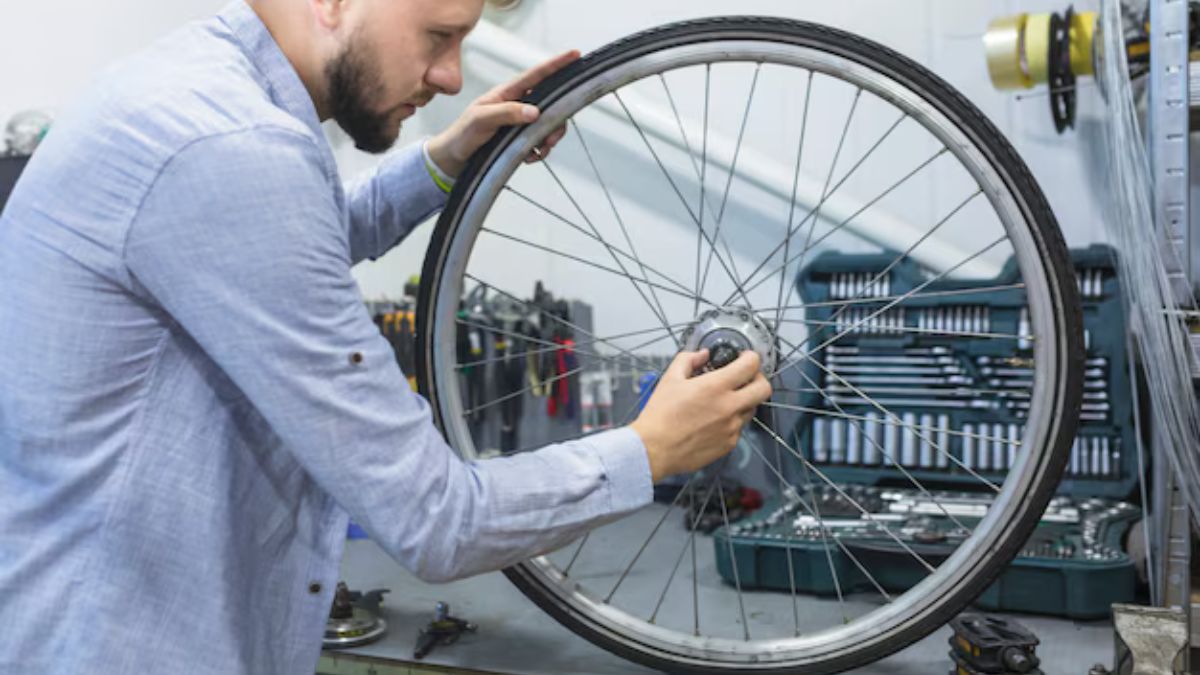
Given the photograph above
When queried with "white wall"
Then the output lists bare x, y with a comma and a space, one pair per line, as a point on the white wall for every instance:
49, 49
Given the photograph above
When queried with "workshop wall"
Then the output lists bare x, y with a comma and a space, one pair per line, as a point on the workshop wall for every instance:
53, 48
944, 35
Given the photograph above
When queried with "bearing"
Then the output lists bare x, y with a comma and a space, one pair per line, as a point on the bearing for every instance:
726, 332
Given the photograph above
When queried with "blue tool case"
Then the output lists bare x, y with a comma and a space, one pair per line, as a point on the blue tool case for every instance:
960, 372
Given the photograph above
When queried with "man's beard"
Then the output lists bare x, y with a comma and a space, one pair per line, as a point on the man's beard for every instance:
352, 81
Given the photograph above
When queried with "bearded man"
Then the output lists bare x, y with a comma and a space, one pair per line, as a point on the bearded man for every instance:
194, 399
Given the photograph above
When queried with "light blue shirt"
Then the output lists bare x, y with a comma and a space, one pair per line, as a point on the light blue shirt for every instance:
183, 429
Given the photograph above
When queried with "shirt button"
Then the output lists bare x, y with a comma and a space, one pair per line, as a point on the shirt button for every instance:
314, 588
356, 358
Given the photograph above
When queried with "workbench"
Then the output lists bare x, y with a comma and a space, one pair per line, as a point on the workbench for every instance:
515, 636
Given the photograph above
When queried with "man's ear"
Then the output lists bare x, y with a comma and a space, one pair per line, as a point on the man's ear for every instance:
328, 13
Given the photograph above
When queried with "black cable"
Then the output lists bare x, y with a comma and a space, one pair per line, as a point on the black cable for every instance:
1061, 78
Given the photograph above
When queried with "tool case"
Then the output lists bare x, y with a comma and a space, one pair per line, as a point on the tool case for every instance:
954, 375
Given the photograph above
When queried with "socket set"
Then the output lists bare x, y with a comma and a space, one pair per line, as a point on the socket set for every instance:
954, 379
848, 285
954, 369
1073, 565
860, 320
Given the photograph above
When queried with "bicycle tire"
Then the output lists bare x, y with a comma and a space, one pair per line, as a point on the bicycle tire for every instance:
1018, 182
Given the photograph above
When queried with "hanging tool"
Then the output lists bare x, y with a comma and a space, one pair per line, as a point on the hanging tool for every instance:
509, 371
442, 630
566, 365
470, 348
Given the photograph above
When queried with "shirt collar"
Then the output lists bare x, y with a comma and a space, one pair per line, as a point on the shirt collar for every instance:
286, 88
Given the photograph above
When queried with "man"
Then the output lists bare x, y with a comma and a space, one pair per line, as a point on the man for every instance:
193, 396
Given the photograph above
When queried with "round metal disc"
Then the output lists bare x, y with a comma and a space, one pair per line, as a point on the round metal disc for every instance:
360, 629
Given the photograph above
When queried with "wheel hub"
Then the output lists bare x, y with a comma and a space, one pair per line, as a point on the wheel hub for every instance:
726, 332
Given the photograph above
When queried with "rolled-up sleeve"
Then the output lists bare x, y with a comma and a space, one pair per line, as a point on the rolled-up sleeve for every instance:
242, 243
386, 203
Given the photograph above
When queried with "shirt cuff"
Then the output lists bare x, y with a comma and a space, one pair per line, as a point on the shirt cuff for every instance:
626, 468
440, 178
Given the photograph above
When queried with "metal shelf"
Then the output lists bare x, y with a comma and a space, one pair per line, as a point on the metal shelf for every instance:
1168, 115
1168, 144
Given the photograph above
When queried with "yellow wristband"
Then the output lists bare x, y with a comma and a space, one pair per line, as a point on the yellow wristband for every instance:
439, 177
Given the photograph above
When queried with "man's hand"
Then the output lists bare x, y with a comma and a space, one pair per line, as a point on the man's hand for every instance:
691, 421
498, 108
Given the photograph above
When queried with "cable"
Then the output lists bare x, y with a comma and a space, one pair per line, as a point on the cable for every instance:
1160, 337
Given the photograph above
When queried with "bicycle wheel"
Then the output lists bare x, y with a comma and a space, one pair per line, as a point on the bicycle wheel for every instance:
872, 156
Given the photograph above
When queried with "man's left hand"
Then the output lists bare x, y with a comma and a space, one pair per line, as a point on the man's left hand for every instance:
498, 108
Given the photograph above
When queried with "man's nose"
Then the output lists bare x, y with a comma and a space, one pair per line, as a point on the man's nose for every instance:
445, 76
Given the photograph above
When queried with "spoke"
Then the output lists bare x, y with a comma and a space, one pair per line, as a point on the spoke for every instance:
695, 522
893, 303
582, 542
708, 496
567, 221
816, 509
653, 310
625, 420
621, 222
869, 384
642, 549
916, 292
699, 239
589, 263
557, 319
679, 123
521, 392
531, 387
867, 515
882, 274
695, 576
836, 540
701, 173
817, 210
675, 568
832, 192
737, 151
784, 491
553, 345
910, 329
737, 581
888, 456
674, 186
792, 210
689, 543
839, 226
657, 306
978, 290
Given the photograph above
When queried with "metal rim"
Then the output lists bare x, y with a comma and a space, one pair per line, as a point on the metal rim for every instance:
1041, 424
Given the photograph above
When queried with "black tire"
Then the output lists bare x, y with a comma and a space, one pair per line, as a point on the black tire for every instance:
1002, 157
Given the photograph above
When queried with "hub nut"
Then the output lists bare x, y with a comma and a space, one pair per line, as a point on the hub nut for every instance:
726, 332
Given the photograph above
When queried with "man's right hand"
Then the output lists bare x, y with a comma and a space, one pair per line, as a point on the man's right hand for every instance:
691, 421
